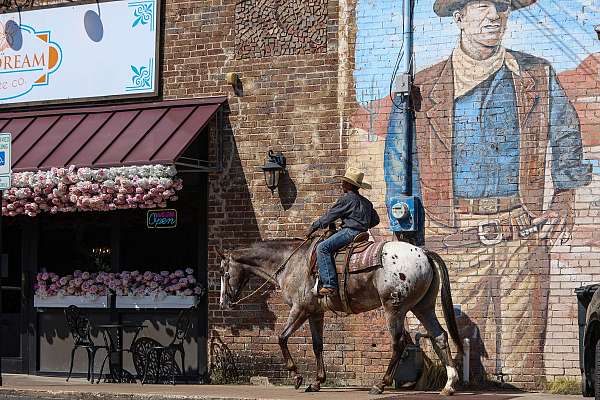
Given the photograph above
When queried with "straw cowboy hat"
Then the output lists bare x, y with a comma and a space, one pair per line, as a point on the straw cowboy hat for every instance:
445, 8
355, 177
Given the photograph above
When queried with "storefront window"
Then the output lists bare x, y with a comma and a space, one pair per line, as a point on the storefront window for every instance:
10, 317
145, 247
75, 241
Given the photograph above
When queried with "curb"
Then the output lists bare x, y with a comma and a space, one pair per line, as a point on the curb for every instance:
10, 394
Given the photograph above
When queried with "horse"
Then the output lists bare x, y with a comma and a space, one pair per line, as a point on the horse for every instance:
409, 279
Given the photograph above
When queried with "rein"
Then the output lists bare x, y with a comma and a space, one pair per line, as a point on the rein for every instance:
274, 276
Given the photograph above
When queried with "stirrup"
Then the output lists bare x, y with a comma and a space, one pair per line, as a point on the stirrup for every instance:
328, 292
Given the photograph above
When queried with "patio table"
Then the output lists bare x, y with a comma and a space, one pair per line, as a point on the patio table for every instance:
115, 336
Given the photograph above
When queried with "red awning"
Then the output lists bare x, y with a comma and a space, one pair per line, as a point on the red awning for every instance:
128, 134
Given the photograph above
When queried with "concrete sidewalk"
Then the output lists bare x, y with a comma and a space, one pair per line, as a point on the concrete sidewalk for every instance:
17, 387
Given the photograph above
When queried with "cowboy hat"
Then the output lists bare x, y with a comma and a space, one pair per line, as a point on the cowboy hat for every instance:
354, 177
445, 8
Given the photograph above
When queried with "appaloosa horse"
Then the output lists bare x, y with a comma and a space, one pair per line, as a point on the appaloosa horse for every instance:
408, 280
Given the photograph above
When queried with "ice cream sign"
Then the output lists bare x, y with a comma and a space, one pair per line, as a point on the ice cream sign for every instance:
28, 58
79, 52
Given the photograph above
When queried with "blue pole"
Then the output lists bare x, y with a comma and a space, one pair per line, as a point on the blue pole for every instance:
406, 103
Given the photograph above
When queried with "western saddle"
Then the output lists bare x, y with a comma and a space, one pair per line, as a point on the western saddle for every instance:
342, 262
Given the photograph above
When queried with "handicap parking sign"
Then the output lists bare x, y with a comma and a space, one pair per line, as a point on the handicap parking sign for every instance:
2, 158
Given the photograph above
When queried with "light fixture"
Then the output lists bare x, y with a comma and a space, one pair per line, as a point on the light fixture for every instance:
597, 29
273, 168
234, 80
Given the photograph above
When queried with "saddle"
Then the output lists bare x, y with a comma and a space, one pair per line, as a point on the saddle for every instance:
359, 256
342, 256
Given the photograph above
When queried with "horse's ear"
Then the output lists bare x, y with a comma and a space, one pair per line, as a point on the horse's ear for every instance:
220, 252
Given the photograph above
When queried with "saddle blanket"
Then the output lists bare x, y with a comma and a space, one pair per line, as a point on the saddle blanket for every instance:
359, 262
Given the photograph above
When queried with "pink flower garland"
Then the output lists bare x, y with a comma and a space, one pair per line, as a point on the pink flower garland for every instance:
126, 283
86, 189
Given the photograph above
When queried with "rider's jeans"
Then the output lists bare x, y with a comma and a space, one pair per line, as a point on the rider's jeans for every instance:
325, 252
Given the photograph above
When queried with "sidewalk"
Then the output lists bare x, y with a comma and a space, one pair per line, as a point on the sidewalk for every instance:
17, 387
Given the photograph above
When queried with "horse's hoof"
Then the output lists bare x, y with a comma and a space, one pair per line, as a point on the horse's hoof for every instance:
447, 392
313, 388
299, 379
376, 390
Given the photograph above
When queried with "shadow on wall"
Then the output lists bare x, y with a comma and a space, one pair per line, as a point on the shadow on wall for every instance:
468, 329
287, 191
234, 225
222, 369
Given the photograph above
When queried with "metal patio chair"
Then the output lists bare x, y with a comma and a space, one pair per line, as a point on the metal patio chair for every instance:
80, 327
160, 360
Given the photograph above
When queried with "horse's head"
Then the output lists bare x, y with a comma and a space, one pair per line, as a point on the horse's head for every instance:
233, 279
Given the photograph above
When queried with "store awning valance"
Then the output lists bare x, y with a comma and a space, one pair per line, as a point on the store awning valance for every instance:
107, 136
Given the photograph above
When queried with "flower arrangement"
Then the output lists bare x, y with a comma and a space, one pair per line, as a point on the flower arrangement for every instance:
126, 283
87, 189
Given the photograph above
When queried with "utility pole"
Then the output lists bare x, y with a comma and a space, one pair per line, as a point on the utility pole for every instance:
404, 208
407, 83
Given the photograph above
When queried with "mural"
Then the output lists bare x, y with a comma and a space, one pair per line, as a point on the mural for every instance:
507, 129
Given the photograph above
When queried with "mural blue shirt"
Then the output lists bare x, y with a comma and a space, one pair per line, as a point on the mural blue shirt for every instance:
485, 143
481, 172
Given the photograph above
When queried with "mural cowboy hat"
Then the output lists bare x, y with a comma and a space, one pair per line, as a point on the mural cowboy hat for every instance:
445, 8
354, 177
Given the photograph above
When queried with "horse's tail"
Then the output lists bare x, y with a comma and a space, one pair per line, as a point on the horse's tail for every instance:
447, 304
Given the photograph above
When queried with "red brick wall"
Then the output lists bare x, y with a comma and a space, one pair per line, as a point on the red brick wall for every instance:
304, 89
295, 93
289, 104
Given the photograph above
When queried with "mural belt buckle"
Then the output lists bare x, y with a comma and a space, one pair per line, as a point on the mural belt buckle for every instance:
485, 229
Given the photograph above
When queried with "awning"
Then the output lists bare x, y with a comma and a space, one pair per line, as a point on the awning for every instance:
128, 134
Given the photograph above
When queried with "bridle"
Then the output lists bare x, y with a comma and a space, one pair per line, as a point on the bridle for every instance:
227, 287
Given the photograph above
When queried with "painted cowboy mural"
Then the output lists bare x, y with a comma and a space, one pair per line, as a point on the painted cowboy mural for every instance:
497, 156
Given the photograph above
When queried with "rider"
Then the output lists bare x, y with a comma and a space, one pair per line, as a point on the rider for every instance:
357, 215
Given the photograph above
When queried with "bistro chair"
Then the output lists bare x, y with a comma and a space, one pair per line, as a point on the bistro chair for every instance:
160, 360
79, 326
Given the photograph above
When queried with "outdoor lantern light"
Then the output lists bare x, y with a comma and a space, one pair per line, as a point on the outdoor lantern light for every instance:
273, 168
597, 28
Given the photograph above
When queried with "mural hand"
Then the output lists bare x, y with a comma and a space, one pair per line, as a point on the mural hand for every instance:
549, 224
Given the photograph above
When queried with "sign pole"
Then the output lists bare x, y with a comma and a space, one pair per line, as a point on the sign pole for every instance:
1, 268
5, 177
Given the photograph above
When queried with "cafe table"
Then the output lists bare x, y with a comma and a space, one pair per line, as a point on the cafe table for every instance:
114, 333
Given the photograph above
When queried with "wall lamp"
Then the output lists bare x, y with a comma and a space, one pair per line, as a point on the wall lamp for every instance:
273, 168
597, 29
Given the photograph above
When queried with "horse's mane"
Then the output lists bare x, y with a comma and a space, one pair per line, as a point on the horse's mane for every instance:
264, 250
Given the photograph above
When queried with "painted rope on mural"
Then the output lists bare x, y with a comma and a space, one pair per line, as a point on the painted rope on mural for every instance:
507, 137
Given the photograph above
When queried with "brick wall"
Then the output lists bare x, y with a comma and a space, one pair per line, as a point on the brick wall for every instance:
316, 91
315, 77
516, 297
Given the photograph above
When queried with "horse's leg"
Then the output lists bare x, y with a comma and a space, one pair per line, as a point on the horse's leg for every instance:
395, 317
295, 320
316, 322
439, 340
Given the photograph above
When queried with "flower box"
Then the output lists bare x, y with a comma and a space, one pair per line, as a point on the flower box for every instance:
140, 302
66, 301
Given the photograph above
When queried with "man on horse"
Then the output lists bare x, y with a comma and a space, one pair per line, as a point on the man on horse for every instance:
357, 215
